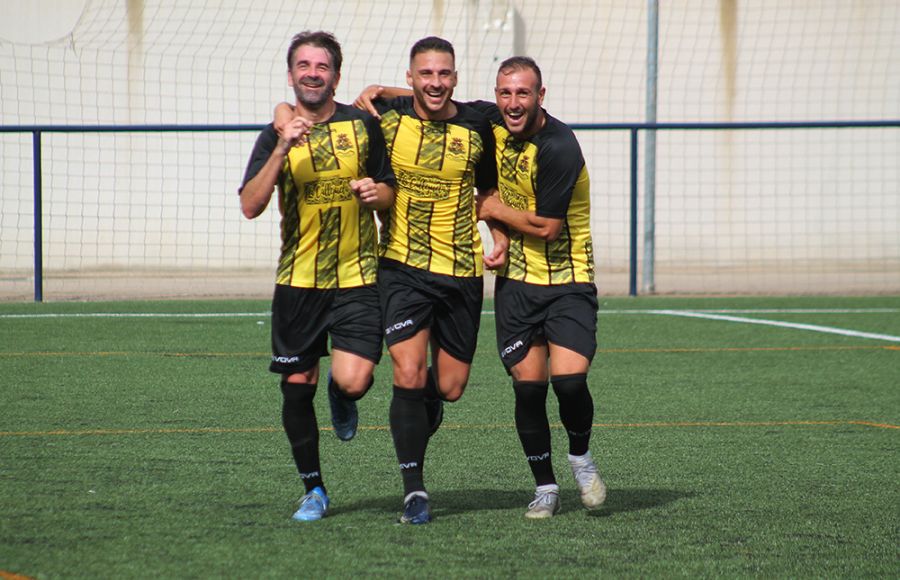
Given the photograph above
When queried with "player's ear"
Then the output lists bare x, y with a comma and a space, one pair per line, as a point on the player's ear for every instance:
337, 81
409, 79
541, 94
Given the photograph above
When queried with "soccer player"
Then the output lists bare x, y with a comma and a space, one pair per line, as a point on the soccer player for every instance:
430, 271
330, 165
545, 297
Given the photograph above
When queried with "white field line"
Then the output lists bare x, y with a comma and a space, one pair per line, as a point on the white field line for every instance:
142, 315
811, 327
765, 311
485, 312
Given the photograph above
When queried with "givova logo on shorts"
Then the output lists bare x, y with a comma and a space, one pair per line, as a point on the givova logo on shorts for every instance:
511, 348
398, 326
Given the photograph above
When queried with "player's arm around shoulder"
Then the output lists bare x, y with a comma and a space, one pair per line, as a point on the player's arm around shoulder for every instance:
491, 207
282, 115
372, 94
488, 109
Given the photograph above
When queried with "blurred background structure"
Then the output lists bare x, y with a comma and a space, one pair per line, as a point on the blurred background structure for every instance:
739, 211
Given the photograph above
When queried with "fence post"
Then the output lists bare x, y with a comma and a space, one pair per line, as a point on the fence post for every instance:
38, 218
648, 285
632, 230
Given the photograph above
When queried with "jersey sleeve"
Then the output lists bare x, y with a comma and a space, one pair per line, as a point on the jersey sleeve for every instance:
377, 165
488, 109
486, 169
395, 104
262, 150
559, 163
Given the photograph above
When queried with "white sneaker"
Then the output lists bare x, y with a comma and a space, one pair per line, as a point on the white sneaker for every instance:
590, 484
546, 503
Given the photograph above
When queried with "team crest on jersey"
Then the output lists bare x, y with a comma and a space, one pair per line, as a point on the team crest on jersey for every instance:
456, 147
524, 165
343, 143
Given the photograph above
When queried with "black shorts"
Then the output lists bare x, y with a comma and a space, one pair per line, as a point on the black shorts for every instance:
565, 315
302, 319
413, 299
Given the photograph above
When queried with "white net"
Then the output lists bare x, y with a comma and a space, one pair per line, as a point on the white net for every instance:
141, 214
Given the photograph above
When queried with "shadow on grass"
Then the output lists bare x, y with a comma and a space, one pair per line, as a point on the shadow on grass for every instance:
451, 502
632, 500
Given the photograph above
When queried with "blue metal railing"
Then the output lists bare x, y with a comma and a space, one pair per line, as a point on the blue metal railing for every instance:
38, 130
633, 128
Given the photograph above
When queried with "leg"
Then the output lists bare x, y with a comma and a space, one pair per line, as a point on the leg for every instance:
298, 416
356, 341
530, 386
410, 360
409, 423
299, 335
351, 374
299, 419
576, 407
576, 410
533, 427
451, 375
349, 379
446, 380
454, 338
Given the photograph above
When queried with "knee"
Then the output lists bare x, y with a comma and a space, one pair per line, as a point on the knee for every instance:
531, 392
310, 376
453, 393
296, 392
450, 385
409, 374
569, 385
356, 387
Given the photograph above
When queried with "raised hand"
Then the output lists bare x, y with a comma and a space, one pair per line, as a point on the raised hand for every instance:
294, 134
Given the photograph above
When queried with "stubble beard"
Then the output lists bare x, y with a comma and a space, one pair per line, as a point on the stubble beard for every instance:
314, 99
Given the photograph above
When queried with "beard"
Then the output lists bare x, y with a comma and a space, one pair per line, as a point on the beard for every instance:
425, 102
313, 97
531, 121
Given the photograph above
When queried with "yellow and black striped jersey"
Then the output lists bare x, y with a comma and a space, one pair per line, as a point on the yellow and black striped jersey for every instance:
545, 174
328, 240
432, 224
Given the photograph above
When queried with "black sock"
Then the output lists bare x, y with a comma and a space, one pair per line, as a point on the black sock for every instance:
576, 410
534, 428
409, 428
299, 419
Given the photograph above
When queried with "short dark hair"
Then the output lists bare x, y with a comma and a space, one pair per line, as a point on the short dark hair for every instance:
320, 39
519, 63
431, 43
